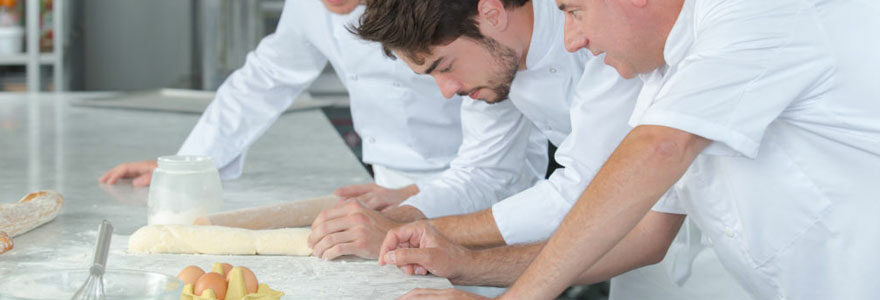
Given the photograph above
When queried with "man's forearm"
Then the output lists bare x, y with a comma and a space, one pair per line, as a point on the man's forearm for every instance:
474, 230
498, 266
644, 245
648, 161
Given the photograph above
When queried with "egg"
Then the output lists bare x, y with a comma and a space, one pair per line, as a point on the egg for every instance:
250, 280
226, 268
190, 274
212, 281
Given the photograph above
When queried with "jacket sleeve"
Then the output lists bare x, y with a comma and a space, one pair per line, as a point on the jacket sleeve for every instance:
501, 153
599, 114
283, 65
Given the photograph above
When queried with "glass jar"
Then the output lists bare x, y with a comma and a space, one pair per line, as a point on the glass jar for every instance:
183, 188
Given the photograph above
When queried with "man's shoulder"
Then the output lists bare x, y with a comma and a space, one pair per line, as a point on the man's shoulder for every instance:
304, 12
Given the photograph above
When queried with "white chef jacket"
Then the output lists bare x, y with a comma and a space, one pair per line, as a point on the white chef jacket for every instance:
788, 93
402, 118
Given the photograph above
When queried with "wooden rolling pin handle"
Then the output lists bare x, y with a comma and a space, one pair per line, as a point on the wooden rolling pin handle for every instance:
203, 220
283, 215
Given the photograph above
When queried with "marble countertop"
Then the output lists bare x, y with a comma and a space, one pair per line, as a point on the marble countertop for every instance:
47, 144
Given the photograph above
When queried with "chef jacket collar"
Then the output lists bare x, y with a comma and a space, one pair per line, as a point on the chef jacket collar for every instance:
681, 36
545, 30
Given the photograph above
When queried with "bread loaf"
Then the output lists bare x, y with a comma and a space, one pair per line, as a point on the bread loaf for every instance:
33, 210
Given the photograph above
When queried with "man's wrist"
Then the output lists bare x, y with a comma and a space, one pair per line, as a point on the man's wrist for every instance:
404, 213
468, 268
474, 230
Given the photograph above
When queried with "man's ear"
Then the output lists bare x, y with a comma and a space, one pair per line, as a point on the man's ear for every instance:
493, 14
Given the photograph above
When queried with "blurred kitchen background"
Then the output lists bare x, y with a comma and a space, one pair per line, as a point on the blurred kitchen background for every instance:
142, 47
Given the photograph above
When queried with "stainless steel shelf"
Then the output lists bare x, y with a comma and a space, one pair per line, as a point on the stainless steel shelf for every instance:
32, 59
22, 59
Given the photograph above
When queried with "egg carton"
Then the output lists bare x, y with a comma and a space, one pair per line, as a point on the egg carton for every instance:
235, 290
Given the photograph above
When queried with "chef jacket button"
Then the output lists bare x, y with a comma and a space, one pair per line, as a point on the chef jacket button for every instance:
552, 70
729, 232
353, 77
371, 140
397, 84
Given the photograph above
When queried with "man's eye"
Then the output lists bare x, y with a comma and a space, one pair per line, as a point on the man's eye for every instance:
447, 69
574, 13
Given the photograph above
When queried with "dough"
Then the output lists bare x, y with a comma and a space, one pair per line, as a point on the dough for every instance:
196, 239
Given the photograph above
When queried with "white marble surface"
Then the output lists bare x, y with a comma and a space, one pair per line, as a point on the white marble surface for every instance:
47, 144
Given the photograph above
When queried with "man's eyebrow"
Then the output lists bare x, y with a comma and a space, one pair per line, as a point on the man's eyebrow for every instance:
562, 7
434, 65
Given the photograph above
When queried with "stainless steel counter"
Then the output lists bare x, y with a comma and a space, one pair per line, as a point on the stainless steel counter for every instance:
47, 144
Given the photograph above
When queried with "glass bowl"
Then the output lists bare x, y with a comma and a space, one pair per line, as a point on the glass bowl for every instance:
62, 284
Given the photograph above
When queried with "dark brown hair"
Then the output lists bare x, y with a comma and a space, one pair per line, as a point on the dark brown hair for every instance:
412, 27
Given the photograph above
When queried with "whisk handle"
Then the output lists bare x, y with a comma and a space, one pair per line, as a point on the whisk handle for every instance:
103, 247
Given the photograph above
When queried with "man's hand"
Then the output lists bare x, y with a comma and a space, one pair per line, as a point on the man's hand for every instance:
141, 171
350, 228
376, 197
439, 294
418, 248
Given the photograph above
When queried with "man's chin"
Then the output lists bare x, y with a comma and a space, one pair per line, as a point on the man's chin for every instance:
495, 100
620, 68
626, 74
342, 8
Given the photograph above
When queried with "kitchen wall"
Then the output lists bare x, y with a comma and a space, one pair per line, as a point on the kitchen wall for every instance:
131, 44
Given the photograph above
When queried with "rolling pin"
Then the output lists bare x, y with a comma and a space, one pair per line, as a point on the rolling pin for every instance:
33, 210
289, 214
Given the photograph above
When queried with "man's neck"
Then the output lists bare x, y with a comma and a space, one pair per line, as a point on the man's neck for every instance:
522, 20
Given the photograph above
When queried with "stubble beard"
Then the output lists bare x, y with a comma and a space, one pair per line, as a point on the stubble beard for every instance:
508, 62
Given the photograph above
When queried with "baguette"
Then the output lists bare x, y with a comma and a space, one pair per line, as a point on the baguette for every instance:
33, 210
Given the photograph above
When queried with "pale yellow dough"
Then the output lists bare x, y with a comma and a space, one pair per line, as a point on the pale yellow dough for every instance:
197, 239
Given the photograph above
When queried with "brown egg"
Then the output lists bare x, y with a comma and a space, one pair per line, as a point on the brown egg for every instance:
212, 281
226, 268
250, 280
190, 274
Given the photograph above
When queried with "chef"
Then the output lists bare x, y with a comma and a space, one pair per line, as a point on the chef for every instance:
524, 36
410, 133
762, 118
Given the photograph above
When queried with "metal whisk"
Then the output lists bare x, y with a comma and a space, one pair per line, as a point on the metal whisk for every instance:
93, 288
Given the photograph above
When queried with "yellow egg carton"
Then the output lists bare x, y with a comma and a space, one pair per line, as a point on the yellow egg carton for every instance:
235, 289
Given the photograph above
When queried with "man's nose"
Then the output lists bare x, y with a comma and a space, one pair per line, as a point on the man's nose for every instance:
574, 39
448, 86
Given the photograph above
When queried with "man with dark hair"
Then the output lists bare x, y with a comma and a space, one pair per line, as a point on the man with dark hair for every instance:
495, 50
438, 23
441, 23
